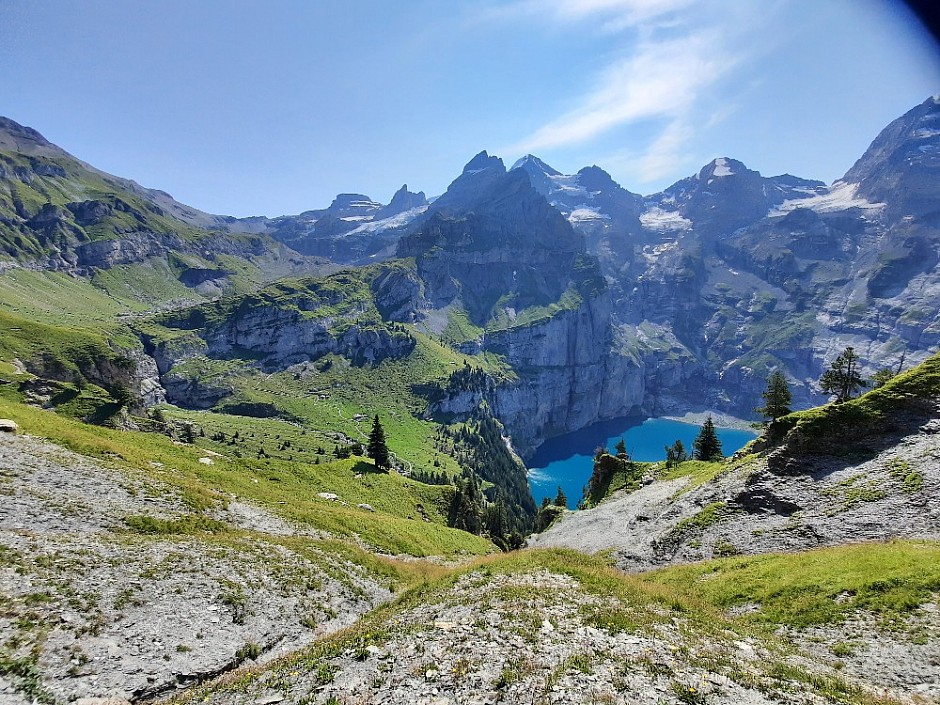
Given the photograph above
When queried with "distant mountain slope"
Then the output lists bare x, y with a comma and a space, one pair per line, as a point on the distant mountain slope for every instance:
784, 273
603, 302
352, 228
57, 212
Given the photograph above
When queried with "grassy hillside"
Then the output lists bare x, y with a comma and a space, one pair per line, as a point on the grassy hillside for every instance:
883, 410
338, 392
814, 587
206, 479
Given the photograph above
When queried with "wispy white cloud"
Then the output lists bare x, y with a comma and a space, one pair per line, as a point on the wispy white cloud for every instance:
660, 79
665, 153
666, 156
615, 15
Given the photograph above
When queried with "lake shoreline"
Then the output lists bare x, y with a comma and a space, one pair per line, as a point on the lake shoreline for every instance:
720, 420
567, 461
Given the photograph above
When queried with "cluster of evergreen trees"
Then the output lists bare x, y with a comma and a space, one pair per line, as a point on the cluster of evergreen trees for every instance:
471, 511
478, 444
433, 478
468, 379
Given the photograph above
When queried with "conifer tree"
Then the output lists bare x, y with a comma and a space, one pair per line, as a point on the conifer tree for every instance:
678, 450
706, 445
377, 450
777, 397
621, 448
843, 378
560, 499
882, 377
675, 454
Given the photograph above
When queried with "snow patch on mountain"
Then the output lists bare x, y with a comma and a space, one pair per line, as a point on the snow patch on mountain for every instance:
839, 197
395, 221
569, 186
651, 253
661, 220
584, 212
722, 168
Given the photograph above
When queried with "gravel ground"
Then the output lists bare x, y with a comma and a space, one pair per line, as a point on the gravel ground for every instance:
100, 611
901, 658
525, 638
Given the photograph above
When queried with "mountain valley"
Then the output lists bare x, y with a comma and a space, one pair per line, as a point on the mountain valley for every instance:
191, 507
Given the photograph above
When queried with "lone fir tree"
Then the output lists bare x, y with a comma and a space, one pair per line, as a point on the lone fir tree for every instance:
777, 397
621, 449
706, 445
843, 378
560, 499
377, 450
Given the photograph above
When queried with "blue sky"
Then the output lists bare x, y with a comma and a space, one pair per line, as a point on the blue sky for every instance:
251, 108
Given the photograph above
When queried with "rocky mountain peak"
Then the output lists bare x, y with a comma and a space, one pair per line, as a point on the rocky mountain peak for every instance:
533, 164
593, 178
722, 167
19, 138
902, 164
403, 200
478, 177
484, 161
353, 202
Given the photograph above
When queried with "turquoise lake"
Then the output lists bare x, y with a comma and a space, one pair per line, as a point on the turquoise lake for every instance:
568, 460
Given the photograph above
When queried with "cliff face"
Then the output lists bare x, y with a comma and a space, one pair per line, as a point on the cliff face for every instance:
280, 326
569, 375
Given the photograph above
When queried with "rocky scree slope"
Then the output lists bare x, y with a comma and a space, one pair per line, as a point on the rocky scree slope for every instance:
555, 627
867, 469
91, 606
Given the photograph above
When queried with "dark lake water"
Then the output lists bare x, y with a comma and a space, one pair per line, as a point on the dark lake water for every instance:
568, 460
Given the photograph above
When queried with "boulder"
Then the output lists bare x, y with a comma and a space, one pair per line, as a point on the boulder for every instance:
8, 426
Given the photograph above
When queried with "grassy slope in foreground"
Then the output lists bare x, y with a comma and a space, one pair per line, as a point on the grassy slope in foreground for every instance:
914, 391
681, 641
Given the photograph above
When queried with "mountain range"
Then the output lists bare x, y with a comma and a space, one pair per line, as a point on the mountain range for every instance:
607, 302
193, 496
